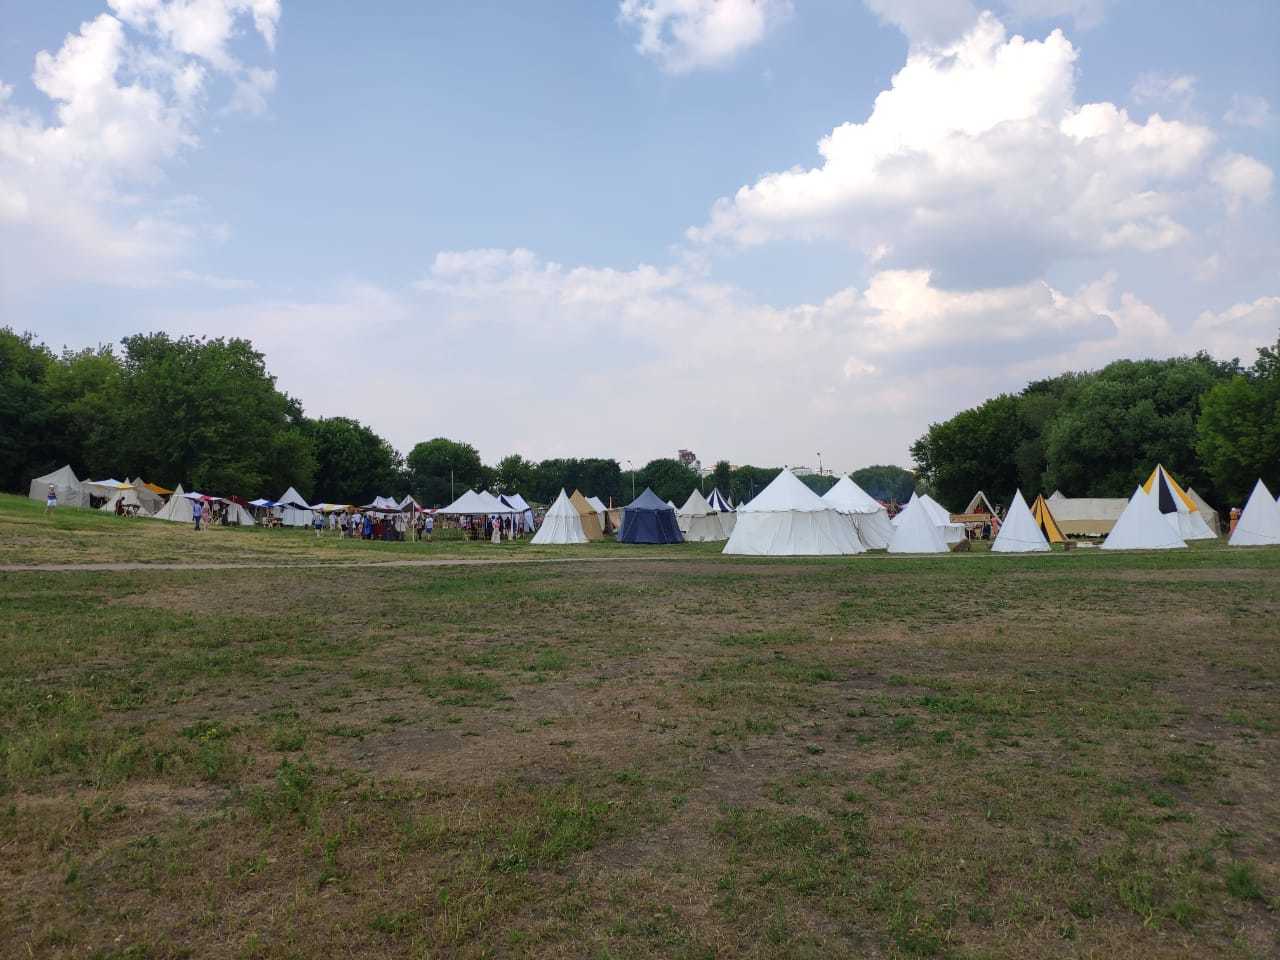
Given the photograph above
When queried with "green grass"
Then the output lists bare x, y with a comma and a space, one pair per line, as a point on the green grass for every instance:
969, 756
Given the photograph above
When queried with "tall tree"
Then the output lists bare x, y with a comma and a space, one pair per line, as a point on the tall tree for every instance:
1238, 434
439, 469
515, 474
886, 482
722, 477
975, 450
25, 412
669, 479
353, 464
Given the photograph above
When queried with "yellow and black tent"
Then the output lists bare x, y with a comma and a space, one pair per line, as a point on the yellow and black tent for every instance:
1179, 509
1044, 519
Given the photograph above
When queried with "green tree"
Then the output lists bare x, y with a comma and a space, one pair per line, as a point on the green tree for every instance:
594, 477
722, 478
515, 474
441, 469
975, 450
819, 483
748, 481
84, 390
669, 479
25, 412
353, 464
886, 482
1238, 433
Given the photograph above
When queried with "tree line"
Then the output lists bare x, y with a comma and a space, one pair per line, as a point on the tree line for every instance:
1214, 425
206, 412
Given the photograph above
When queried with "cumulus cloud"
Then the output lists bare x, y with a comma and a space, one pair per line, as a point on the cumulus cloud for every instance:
78, 192
1247, 110
1242, 180
979, 156
687, 35
1239, 330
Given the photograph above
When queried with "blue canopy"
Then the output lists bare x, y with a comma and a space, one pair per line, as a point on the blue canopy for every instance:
648, 519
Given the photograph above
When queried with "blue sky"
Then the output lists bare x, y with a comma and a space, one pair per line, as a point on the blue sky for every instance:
607, 229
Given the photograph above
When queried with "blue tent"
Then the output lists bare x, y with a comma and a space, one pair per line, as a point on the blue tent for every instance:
649, 520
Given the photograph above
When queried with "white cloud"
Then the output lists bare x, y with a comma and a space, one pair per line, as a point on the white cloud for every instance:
1177, 89
978, 156
1242, 180
79, 194
686, 35
940, 22
1247, 110
1241, 329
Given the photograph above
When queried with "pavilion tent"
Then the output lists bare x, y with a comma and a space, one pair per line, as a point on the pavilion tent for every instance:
915, 530
869, 516
1142, 527
495, 506
472, 504
1020, 533
1179, 510
102, 489
1045, 521
66, 487
647, 519
410, 504
517, 502
1259, 523
383, 505
699, 523
590, 520
789, 519
562, 524
177, 510
1086, 516
292, 509
1211, 518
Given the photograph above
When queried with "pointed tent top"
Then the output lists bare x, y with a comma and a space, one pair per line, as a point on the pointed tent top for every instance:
1044, 518
1142, 527
597, 503
467, 504
916, 531
786, 493
515, 500
408, 502
292, 498
1019, 533
717, 502
847, 497
695, 506
562, 507
1259, 522
980, 504
649, 501
1167, 489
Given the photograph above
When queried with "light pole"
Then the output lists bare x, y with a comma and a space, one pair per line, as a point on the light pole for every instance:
819, 463
632, 470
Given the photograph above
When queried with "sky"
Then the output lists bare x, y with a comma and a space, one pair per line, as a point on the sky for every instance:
762, 230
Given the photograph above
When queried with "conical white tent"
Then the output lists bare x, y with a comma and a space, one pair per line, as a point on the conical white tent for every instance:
916, 532
292, 509
178, 509
562, 524
698, 523
789, 519
1259, 524
65, 486
1141, 527
1178, 509
869, 517
1020, 533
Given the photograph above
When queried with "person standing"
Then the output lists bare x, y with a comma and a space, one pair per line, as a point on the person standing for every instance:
429, 525
197, 513
51, 499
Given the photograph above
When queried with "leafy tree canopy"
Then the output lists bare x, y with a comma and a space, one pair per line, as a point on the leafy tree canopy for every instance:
441, 470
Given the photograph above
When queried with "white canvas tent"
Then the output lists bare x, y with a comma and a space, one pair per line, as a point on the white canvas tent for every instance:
473, 504
1210, 515
1020, 533
941, 517
1141, 527
698, 522
148, 498
562, 524
1178, 509
869, 517
519, 503
915, 531
789, 519
65, 485
1259, 524
129, 497
600, 509
292, 510
177, 510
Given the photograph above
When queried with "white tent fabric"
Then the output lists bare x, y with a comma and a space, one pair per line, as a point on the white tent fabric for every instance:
494, 504
717, 502
870, 518
408, 503
1020, 533
101, 488
789, 519
519, 503
148, 498
916, 531
562, 524
66, 486
600, 509
1186, 523
698, 523
1210, 515
1141, 527
1259, 524
238, 515
292, 509
177, 510
951, 532
129, 497
383, 505
473, 504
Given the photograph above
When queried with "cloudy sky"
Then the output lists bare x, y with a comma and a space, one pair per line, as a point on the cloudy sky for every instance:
756, 228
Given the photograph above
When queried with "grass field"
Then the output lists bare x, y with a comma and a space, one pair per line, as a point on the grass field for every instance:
683, 755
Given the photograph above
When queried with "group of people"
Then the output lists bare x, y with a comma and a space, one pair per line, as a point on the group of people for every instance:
491, 528
375, 526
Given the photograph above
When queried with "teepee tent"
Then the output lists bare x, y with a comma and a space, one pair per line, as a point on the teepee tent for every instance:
941, 517
1179, 510
65, 486
699, 522
177, 510
1045, 521
647, 519
1259, 524
292, 509
915, 530
590, 519
1019, 533
1141, 527
869, 517
562, 524
788, 519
